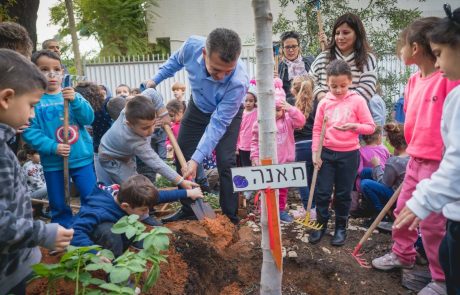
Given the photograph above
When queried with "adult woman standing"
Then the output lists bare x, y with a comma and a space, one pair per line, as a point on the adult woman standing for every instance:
292, 64
349, 43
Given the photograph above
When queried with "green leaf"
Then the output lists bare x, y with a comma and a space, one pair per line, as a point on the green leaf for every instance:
119, 230
159, 242
111, 287
107, 253
94, 292
162, 230
126, 290
130, 232
96, 281
152, 277
119, 275
133, 218
94, 266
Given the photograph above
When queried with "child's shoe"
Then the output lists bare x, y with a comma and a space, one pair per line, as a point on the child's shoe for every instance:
285, 217
390, 261
152, 221
299, 213
434, 288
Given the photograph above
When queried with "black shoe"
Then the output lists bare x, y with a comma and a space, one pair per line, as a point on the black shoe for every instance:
340, 233
181, 214
152, 221
317, 235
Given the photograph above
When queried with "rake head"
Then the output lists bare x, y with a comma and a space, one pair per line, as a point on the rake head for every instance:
309, 223
362, 262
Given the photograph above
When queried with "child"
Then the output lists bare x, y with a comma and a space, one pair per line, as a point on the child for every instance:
45, 134
347, 117
107, 204
440, 192
34, 172
288, 118
381, 185
21, 86
302, 90
136, 91
115, 106
378, 107
424, 96
176, 112
129, 136
15, 37
178, 89
373, 148
243, 145
122, 90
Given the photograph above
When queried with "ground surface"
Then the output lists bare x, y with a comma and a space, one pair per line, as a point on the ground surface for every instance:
216, 257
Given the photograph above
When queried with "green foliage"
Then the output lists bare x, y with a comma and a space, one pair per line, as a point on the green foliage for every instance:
78, 263
119, 25
382, 19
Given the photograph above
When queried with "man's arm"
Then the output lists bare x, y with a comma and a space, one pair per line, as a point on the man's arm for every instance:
174, 64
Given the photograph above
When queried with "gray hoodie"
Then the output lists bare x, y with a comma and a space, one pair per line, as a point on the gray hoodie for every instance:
441, 192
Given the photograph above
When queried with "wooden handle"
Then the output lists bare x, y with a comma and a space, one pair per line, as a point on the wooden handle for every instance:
66, 159
320, 28
382, 213
315, 171
177, 150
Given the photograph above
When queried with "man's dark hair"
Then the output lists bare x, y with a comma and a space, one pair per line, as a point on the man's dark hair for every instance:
18, 73
140, 108
47, 42
289, 35
47, 53
15, 37
338, 67
226, 43
138, 191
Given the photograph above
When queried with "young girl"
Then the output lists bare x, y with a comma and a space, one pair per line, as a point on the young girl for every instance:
381, 185
243, 145
373, 148
440, 192
302, 90
45, 134
424, 97
288, 118
176, 112
347, 117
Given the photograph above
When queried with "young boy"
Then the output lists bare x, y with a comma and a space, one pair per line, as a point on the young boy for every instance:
21, 86
15, 37
130, 136
178, 89
108, 204
46, 133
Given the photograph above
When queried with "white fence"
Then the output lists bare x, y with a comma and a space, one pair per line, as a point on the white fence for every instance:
133, 70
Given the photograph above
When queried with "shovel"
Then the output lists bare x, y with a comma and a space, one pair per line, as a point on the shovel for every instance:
307, 222
201, 209
66, 82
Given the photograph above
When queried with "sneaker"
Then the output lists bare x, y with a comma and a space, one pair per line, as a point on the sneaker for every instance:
152, 221
386, 226
434, 288
285, 217
299, 213
389, 261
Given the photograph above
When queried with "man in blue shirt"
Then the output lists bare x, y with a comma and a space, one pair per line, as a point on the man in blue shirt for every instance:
219, 83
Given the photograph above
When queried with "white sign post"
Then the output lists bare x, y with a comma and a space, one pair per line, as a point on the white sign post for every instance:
272, 176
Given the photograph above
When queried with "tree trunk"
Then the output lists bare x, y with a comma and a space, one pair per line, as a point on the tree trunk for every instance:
24, 12
73, 33
270, 282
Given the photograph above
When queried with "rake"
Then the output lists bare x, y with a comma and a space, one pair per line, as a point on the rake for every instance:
356, 254
306, 221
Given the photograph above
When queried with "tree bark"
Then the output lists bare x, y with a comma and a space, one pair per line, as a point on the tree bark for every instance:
24, 12
270, 282
73, 33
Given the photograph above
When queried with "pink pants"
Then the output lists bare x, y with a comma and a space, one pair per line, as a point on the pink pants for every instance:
432, 228
283, 194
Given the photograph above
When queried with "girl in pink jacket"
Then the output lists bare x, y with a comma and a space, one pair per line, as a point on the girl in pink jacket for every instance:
288, 118
347, 117
243, 145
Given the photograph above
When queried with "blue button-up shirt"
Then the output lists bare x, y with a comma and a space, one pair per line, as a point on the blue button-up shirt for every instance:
222, 98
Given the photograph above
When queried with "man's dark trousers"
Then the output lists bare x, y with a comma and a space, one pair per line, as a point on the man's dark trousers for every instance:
192, 128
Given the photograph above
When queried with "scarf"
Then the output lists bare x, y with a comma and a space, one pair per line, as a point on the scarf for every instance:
295, 67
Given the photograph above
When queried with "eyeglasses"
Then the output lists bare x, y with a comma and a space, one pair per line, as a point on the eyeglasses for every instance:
291, 47
52, 74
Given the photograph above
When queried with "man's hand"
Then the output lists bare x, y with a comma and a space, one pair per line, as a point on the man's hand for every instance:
407, 217
194, 193
63, 150
190, 171
188, 185
68, 93
150, 84
63, 238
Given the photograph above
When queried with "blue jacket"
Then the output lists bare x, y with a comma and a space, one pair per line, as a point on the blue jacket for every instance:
46, 131
101, 207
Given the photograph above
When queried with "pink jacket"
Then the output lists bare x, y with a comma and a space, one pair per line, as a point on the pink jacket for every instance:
175, 127
423, 101
351, 109
292, 119
245, 135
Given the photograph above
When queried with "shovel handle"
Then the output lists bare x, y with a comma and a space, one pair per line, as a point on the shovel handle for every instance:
65, 160
315, 171
177, 150
382, 214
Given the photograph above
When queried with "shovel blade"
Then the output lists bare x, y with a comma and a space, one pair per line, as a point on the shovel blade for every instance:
202, 210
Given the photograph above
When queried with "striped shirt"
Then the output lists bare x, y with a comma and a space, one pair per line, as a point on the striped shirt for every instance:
363, 82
